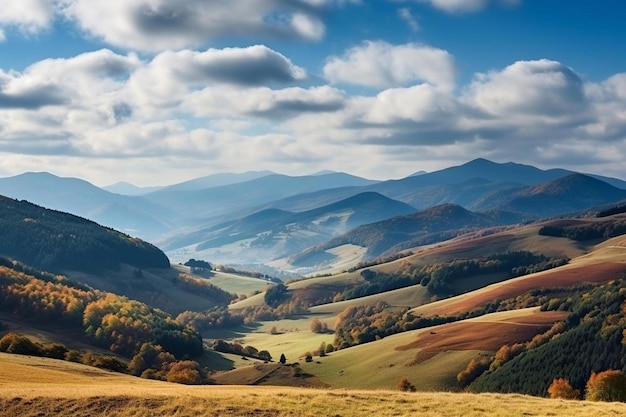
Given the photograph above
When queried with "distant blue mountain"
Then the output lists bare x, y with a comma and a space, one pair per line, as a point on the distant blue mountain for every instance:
126, 188
81, 198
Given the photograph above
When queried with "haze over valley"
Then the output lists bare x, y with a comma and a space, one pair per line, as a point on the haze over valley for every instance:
312, 208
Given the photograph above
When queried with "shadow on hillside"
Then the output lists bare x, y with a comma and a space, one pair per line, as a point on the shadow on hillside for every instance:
216, 361
229, 334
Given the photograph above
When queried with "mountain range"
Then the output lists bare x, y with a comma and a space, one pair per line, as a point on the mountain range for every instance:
259, 216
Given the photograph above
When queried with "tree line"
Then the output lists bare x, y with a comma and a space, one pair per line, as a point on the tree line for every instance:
111, 321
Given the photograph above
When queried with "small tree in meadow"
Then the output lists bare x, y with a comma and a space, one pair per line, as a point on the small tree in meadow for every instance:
609, 385
318, 326
561, 388
404, 385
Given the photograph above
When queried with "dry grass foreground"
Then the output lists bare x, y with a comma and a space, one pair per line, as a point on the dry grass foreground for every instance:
38, 387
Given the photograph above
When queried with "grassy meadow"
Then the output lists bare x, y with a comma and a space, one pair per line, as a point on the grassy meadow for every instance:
37, 387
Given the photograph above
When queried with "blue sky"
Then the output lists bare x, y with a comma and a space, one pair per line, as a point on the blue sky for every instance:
157, 91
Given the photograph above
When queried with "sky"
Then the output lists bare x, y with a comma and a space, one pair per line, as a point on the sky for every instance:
156, 92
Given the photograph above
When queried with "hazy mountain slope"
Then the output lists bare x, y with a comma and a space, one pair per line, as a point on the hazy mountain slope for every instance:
427, 224
57, 241
126, 188
216, 180
84, 199
308, 201
464, 193
215, 201
274, 233
569, 194
331, 220
459, 184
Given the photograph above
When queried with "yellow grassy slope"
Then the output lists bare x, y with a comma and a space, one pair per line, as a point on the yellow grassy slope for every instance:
32, 387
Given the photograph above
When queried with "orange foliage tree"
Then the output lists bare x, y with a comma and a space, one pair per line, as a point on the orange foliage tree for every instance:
609, 385
561, 388
185, 372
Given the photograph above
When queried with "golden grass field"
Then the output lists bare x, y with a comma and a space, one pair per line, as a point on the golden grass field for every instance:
37, 387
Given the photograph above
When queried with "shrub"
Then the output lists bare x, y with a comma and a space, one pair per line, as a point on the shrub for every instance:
561, 388
405, 385
609, 385
109, 362
20, 345
54, 351
318, 326
185, 372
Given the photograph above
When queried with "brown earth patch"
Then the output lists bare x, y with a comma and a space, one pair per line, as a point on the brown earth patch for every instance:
560, 277
473, 335
267, 374
565, 222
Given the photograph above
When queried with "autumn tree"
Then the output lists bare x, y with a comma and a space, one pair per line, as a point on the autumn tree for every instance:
561, 388
404, 385
185, 372
608, 385
150, 357
473, 370
318, 326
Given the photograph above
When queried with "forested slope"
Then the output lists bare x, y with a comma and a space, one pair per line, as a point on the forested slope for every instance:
590, 340
57, 241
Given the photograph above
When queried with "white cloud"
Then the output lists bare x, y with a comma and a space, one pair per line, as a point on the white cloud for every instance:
187, 107
308, 27
464, 6
166, 80
156, 25
264, 102
29, 16
406, 15
540, 87
380, 64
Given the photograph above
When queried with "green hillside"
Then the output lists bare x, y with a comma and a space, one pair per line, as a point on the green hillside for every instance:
57, 241
590, 340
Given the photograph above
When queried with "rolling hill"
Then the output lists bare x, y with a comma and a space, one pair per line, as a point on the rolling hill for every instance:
240, 197
423, 227
275, 233
100, 257
595, 247
56, 241
30, 385
570, 194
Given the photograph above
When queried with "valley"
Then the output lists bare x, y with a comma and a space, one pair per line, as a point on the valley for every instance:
387, 295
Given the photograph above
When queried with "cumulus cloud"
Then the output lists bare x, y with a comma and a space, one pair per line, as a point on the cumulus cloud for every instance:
165, 81
156, 25
265, 102
29, 16
195, 106
540, 87
380, 64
